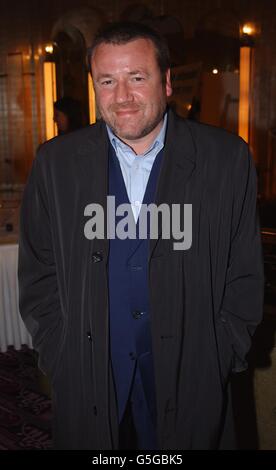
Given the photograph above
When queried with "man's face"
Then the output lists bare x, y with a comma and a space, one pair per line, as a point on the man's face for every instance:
130, 93
61, 120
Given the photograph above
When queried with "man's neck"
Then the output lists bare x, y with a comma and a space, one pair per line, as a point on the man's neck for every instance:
140, 146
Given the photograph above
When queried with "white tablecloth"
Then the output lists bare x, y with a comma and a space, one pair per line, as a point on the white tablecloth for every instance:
12, 328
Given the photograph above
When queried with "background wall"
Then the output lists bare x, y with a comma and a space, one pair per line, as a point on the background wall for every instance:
25, 28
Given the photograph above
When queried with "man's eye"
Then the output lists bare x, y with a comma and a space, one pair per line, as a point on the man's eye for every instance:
138, 79
106, 82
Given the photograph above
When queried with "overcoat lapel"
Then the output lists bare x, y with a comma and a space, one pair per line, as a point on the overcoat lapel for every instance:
177, 166
93, 164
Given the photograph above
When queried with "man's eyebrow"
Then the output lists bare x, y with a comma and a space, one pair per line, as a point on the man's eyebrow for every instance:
135, 72
132, 72
104, 75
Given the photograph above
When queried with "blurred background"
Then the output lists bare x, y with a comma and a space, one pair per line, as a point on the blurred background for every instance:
223, 72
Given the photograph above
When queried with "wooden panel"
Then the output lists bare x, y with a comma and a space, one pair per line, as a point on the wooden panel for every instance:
219, 100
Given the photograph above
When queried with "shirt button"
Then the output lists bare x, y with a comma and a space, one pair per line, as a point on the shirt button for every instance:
97, 257
136, 268
137, 314
89, 335
137, 203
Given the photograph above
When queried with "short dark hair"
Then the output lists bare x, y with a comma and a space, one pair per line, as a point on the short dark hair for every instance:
73, 110
125, 31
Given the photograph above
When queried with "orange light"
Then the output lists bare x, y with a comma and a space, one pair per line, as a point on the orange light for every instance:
215, 71
50, 95
91, 98
49, 48
244, 92
248, 29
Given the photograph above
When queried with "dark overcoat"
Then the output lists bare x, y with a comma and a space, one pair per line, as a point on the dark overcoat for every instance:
205, 302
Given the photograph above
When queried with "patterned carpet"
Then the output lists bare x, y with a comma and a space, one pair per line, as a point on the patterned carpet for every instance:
25, 411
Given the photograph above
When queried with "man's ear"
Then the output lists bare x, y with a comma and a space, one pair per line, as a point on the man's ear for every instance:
168, 83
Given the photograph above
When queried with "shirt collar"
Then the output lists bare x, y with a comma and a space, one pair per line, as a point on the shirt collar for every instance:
159, 140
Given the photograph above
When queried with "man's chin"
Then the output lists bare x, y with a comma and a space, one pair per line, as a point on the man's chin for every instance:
128, 134
130, 130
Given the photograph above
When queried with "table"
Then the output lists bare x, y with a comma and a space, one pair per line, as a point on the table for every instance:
12, 329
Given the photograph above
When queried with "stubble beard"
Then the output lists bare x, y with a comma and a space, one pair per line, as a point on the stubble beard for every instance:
138, 133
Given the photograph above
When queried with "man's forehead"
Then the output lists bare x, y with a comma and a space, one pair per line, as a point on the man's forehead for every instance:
130, 58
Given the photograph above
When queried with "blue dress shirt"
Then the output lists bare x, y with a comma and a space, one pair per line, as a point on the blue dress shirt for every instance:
136, 168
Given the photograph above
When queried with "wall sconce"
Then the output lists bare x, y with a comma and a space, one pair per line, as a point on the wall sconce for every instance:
50, 92
249, 29
49, 48
247, 43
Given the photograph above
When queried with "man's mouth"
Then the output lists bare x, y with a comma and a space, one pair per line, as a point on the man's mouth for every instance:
126, 111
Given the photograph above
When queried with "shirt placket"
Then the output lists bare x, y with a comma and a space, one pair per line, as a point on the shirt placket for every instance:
136, 187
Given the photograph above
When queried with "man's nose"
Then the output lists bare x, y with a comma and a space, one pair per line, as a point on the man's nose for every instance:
123, 92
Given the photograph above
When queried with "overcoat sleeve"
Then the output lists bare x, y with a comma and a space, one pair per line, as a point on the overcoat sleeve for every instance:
39, 301
242, 304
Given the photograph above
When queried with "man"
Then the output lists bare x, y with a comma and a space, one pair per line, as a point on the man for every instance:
138, 338
67, 115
